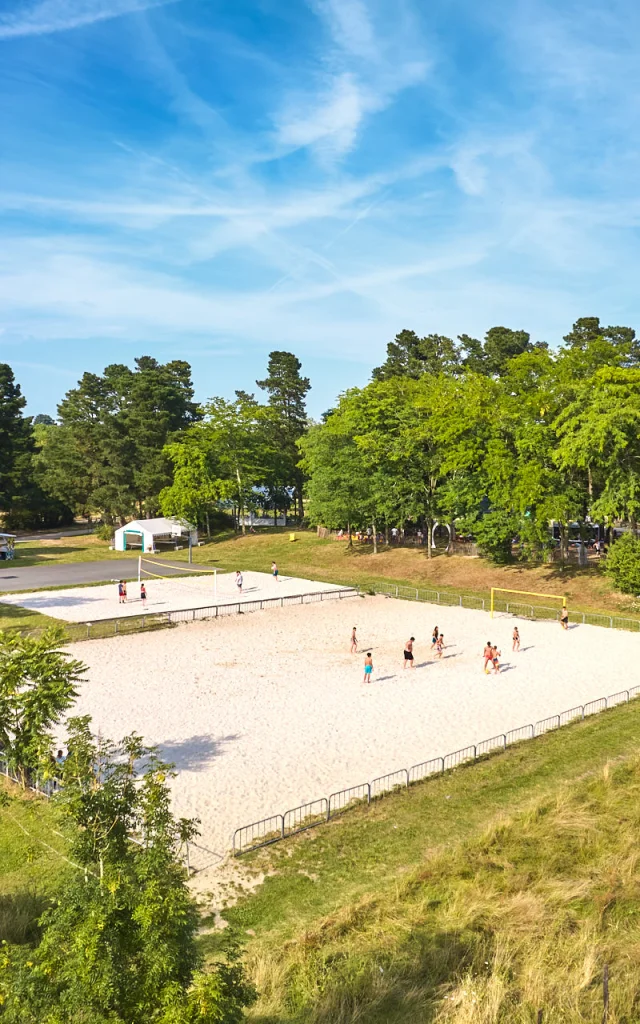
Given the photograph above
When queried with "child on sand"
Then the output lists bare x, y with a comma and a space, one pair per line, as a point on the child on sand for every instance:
516, 639
564, 617
354, 641
143, 595
487, 655
495, 656
440, 645
368, 668
239, 581
408, 653
120, 592
274, 572
124, 592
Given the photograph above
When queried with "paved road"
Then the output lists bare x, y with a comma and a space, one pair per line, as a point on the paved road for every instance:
32, 577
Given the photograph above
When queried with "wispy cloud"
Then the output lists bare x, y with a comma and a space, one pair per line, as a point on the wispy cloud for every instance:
48, 16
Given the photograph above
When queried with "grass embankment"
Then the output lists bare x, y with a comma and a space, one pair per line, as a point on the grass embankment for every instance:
587, 588
476, 897
30, 871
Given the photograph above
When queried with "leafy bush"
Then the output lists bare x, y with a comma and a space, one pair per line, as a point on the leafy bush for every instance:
105, 532
623, 564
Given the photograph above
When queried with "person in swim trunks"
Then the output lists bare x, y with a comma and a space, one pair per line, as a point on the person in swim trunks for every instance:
495, 658
516, 639
239, 581
440, 645
354, 641
368, 668
274, 572
408, 653
564, 617
487, 655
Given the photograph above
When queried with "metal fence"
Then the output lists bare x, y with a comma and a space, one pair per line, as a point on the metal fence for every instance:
46, 787
308, 815
516, 608
138, 623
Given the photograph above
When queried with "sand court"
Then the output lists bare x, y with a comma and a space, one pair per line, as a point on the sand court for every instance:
263, 712
92, 604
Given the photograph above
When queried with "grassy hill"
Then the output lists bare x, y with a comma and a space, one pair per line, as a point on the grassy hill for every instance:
480, 896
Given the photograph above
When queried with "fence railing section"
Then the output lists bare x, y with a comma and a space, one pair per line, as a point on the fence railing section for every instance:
278, 826
516, 608
138, 623
46, 787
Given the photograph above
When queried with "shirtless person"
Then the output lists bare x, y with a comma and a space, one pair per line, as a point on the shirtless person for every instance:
440, 645
368, 668
516, 639
408, 653
564, 617
487, 655
495, 659
354, 641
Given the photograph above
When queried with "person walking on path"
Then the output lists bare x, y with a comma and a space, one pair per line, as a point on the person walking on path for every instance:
143, 595
487, 654
120, 592
564, 617
274, 572
408, 653
239, 581
354, 641
368, 667
516, 639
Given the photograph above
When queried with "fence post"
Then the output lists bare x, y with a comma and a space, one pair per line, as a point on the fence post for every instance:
605, 994
483, 603
583, 619
397, 591
416, 593
611, 622
88, 630
461, 600
115, 627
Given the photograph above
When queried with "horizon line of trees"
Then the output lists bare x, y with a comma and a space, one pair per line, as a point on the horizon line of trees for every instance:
499, 436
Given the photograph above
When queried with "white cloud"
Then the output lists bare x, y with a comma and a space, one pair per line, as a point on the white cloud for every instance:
349, 23
331, 117
47, 16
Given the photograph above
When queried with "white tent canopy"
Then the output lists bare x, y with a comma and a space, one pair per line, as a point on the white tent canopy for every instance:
147, 533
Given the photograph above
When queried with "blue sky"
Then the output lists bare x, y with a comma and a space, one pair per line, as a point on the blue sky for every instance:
211, 180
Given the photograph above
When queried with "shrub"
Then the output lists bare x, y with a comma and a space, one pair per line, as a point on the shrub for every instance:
623, 564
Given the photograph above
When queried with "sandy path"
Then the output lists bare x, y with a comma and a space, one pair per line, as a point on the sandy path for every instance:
265, 711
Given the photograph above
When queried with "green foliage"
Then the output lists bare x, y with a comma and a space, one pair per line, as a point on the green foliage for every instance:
119, 945
623, 564
37, 686
107, 454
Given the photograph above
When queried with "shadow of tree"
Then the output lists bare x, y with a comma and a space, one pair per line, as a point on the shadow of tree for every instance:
196, 753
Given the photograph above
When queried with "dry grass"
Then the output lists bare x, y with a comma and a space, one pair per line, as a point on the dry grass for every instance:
487, 931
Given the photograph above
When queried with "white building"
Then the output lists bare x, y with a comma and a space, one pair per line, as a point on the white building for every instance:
147, 534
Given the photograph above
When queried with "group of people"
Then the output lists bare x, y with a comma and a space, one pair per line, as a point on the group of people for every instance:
122, 593
437, 647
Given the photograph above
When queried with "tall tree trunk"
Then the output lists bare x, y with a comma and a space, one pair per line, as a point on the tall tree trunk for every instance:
206, 515
429, 553
241, 505
386, 534
375, 538
590, 481
349, 532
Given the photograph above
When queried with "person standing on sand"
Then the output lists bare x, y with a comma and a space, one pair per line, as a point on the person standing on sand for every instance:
274, 572
487, 654
368, 668
440, 645
564, 617
124, 592
354, 641
408, 653
120, 592
239, 581
516, 639
495, 656
143, 595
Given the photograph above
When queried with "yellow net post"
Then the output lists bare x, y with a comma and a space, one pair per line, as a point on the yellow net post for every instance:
525, 593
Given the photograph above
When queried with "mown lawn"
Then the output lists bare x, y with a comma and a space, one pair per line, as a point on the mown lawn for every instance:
333, 561
516, 878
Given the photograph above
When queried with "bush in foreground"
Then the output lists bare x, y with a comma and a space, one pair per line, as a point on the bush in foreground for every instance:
118, 945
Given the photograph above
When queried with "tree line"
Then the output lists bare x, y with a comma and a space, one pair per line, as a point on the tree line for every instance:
499, 435
134, 443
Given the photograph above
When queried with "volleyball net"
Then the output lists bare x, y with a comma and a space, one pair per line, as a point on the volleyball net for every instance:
146, 571
524, 593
